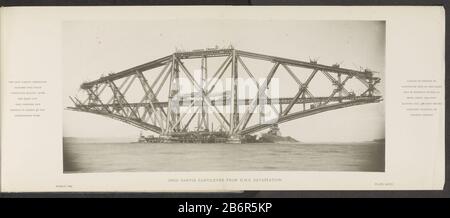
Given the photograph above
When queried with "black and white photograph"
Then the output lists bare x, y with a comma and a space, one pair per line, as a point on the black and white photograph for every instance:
230, 100
223, 95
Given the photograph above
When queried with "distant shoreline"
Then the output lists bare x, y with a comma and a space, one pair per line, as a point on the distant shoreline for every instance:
129, 140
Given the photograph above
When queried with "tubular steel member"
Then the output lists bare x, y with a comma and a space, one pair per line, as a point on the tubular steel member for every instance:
172, 118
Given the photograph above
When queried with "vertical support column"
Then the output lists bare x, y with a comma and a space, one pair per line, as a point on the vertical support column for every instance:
234, 91
280, 110
203, 121
234, 99
167, 130
339, 87
200, 116
206, 108
371, 86
175, 91
224, 105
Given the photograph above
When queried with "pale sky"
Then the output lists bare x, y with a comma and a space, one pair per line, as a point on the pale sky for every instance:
94, 48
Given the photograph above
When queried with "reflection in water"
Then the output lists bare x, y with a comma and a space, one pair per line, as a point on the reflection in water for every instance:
90, 156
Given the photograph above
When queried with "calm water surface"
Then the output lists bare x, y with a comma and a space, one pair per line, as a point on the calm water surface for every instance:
95, 156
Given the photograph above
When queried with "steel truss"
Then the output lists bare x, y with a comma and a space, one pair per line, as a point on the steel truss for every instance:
166, 118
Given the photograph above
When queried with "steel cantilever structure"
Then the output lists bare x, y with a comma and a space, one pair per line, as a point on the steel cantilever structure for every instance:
166, 119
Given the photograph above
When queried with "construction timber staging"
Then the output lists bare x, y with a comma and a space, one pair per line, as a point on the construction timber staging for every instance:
167, 119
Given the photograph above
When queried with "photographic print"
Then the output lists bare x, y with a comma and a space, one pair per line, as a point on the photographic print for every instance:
223, 95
